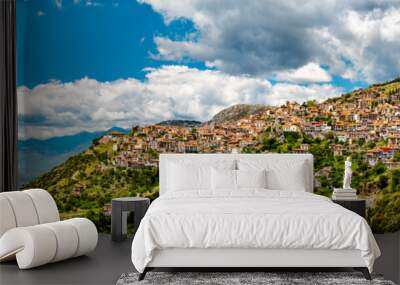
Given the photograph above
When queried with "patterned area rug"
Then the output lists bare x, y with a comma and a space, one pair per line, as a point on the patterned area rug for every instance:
229, 278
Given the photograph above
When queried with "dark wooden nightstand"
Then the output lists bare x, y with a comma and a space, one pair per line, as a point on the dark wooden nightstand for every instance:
356, 205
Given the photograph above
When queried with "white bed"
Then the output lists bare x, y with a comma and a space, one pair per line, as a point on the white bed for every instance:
198, 223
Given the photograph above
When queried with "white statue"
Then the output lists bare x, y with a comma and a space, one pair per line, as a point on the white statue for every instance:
347, 174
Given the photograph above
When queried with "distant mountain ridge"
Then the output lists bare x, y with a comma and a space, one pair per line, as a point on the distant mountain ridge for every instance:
63, 143
180, 123
38, 156
237, 112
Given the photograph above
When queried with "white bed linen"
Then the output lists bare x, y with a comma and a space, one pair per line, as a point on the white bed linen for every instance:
250, 219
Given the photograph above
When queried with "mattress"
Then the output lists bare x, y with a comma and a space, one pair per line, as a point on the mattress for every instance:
251, 219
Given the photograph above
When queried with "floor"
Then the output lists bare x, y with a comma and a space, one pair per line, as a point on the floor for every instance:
111, 259
389, 263
104, 266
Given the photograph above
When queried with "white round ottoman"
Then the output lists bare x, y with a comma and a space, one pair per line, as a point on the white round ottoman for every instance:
37, 245
31, 232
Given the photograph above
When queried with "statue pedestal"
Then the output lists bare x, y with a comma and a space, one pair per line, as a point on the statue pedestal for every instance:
349, 190
344, 194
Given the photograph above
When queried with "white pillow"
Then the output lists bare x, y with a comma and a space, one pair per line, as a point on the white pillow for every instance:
182, 177
294, 180
193, 174
223, 179
282, 174
251, 178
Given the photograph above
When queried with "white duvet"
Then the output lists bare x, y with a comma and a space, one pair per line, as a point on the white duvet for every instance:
250, 219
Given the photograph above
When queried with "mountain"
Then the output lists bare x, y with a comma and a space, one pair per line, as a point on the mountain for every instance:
362, 124
237, 112
180, 123
37, 156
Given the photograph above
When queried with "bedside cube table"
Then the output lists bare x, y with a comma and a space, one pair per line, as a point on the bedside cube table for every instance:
356, 205
120, 207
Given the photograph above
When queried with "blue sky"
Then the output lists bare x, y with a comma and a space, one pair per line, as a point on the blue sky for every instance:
190, 59
107, 42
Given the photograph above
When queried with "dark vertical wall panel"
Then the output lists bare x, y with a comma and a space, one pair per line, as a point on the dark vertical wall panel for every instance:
8, 98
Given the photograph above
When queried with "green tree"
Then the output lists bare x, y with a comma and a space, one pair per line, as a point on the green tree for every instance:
395, 183
330, 136
133, 131
384, 216
383, 182
378, 168
396, 156
152, 153
311, 103
269, 144
291, 137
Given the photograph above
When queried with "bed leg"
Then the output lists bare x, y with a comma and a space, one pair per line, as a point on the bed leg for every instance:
364, 271
142, 275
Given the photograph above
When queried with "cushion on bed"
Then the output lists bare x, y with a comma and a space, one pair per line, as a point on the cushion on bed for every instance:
282, 174
194, 175
223, 179
251, 179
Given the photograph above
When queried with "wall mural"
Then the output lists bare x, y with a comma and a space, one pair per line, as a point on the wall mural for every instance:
106, 86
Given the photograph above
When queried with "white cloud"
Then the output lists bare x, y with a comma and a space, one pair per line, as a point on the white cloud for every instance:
40, 13
369, 41
58, 4
169, 92
358, 39
310, 72
90, 3
282, 92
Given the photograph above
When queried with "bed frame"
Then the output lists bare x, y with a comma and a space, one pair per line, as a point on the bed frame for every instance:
249, 259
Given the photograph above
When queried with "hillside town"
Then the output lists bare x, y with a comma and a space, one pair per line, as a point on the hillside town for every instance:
371, 116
